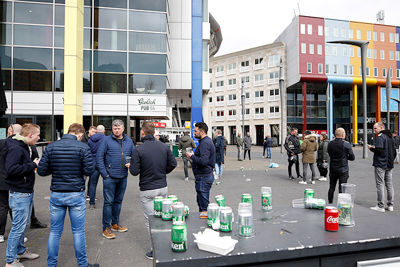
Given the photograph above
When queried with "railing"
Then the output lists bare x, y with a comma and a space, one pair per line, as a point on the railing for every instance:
219, 103
272, 81
219, 74
274, 115
274, 98
219, 118
246, 117
232, 118
259, 116
244, 69
259, 99
219, 89
259, 83
232, 87
232, 102
258, 66
231, 71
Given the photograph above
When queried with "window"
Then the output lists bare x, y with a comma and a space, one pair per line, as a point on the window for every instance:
335, 69
351, 70
258, 60
374, 53
232, 81
30, 35
220, 98
247, 95
149, 63
398, 73
327, 68
375, 36
320, 30
345, 51
309, 29
273, 77
375, 72
352, 51
327, 50
274, 109
232, 112
274, 92
384, 72
210, 99
210, 70
351, 34
391, 55
247, 111
343, 33
367, 71
273, 60
335, 32
311, 49
320, 69
345, 69
259, 111
232, 97
397, 55
369, 35
141, 21
309, 67
245, 63
391, 37
382, 36
220, 83
397, 38
303, 48
382, 53
245, 79
358, 34
210, 84
220, 113
302, 28
259, 94
259, 77
232, 66
369, 54
319, 49
220, 68
358, 52
334, 50
326, 31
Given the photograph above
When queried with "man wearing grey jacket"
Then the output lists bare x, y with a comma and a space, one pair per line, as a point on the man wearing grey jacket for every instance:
184, 143
247, 145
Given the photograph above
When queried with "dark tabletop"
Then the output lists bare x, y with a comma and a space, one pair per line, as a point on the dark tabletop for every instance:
282, 234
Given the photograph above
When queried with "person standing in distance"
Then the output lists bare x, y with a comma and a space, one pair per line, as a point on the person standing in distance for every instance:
239, 144
247, 145
384, 155
67, 160
113, 167
153, 160
203, 163
323, 157
186, 142
219, 153
21, 180
340, 152
292, 146
308, 147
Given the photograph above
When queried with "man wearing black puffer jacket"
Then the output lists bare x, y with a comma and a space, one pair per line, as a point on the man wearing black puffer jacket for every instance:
67, 160
153, 160
292, 146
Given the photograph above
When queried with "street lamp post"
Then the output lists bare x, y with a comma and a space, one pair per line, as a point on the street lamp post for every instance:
243, 97
363, 45
281, 87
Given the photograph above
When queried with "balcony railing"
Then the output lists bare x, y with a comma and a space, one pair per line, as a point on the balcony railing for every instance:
232, 118
274, 98
219, 103
246, 117
219, 89
232, 87
258, 66
219, 74
274, 115
231, 71
259, 116
259, 99
220, 118
259, 83
232, 102
244, 69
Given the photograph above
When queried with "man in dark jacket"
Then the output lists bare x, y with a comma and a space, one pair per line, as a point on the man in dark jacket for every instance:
239, 145
247, 145
384, 155
67, 160
88, 134
267, 146
21, 180
292, 146
184, 143
153, 160
112, 163
203, 163
323, 157
219, 153
94, 143
340, 152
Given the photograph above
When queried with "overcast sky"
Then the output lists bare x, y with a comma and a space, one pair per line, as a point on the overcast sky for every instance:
249, 23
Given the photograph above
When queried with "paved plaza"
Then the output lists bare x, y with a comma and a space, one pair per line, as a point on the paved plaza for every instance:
128, 248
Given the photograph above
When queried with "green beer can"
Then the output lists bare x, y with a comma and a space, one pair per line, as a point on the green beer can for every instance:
220, 199
266, 201
212, 214
225, 219
158, 206
173, 198
186, 211
308, 193
179, 236
345, 211
167, 210
247, 198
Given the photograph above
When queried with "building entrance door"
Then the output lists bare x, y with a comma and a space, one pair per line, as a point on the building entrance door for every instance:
259, 135
275, 134
232, 135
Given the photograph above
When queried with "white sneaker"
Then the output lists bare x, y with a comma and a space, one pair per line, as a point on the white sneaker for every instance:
313, 182
186, 179
302, 182
25, 239
1, 238
388, 208
376, 208
216, 177
15, 263
322, 179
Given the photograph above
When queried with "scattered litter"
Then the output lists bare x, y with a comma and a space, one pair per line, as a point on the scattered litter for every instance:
210, 240
273, 165
248, 180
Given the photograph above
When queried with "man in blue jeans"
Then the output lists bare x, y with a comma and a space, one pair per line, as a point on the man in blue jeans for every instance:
21, 180
94, 143
67, 160
113, 161
203, 162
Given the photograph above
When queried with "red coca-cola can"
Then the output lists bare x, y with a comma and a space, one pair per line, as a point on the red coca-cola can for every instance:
331, 218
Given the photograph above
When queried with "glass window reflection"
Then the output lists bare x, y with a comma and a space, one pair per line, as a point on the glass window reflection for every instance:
5, 55
109, 83
145, 21
59, 37
147, 42
87, 39
108, 3
109, 18
147, 63
87, 17
5, 11
33, 13
109, 61
59, 18
154, 5
33, 35
87, 60
6, 79
32, 58
5, 34
45, 127
32, 80
110, 40
147, 84
59, 81
58, 59
87, 82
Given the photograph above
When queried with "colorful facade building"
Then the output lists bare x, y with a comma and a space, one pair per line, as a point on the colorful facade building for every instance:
324, 79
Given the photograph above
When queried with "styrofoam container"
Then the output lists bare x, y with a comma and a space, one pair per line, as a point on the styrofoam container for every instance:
222, 249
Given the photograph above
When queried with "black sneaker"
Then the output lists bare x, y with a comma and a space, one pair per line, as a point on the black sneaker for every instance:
93, 265
149, 255
291, 177
299, 177
38, 225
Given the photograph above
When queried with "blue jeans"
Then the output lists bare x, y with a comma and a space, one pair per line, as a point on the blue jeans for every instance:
113, 191
75, 202
21, 206
218, 168
93, 180
203, 186
268, 152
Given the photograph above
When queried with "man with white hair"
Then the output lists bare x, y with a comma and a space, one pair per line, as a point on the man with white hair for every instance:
94, 143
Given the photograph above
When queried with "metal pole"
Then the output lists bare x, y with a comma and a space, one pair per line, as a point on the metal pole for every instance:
281, 89
388, 88
364, 90
243, 109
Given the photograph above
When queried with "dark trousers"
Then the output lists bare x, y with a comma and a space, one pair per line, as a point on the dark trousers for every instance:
4, 209
113, 192
185, 165
248, 151
265, 147
322, 171
333, 178
93, 180
297, 167
203, 186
